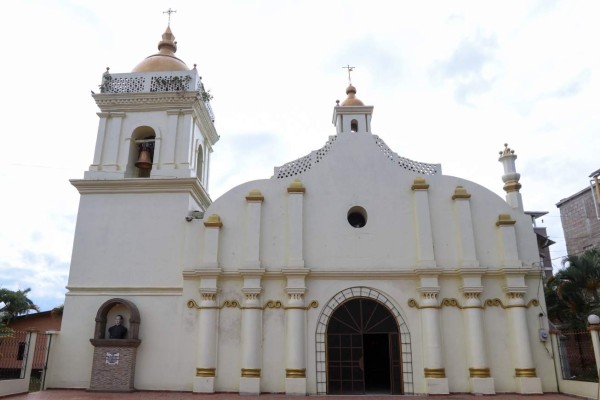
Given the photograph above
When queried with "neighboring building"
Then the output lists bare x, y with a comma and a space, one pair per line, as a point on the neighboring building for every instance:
41, 321
543, 242
580, 217
352, 270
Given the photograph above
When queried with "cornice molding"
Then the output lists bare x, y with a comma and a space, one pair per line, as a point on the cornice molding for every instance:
139, 290
144, 185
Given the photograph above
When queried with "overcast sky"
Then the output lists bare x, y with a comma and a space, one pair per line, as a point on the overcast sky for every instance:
451, 82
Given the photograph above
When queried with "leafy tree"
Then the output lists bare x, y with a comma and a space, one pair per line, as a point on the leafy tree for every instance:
15, 303
574, 292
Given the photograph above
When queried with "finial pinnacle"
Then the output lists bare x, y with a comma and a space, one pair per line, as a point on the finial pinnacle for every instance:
350, 69
169, 11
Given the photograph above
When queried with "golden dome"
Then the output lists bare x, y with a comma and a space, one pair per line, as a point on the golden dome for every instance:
165, 59
352, 100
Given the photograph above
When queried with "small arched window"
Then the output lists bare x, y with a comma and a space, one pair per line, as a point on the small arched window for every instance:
200, 163
354, 126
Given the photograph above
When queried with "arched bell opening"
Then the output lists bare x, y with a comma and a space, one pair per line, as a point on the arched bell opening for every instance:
141, 152
354, 126
363, 346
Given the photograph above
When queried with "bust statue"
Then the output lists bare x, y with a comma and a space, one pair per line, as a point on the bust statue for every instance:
117, 331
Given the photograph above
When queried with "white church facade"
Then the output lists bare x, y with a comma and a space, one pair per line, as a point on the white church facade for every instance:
351, 270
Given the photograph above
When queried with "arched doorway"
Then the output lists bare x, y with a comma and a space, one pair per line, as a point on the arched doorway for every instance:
405, 368
363, 349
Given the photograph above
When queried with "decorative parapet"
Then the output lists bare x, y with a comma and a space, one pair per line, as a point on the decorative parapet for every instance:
154, 82
305, 163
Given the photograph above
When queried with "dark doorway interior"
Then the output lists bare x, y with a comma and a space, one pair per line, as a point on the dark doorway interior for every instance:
363, 350
377, 362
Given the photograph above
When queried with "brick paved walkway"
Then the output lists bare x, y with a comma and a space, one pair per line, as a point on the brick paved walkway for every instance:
83, 395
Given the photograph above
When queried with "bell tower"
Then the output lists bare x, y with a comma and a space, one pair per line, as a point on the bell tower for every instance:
155, 122
148, 182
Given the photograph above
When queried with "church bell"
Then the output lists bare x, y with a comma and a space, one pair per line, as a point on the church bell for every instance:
145, 158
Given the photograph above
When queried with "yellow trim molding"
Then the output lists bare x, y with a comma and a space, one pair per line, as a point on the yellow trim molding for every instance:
434, 372
255, 196
505, 220
512, 186
213, 221
419, 184
205, 372
498, 303
479, 372
312, 304
461, 193
295, 372
296, 187
250, 372
525, 372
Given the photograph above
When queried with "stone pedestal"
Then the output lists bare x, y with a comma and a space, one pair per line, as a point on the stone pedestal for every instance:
529, 385
437, 386
113, 368
482, 386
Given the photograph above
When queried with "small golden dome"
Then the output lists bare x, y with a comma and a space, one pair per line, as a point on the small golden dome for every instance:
352, 100
165, 59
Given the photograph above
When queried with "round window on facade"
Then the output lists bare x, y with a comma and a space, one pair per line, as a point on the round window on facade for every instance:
357, 217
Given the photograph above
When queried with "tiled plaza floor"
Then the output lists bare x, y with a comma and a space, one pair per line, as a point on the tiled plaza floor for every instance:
83, 395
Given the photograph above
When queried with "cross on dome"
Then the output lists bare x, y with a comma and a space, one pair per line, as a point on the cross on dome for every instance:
169, 11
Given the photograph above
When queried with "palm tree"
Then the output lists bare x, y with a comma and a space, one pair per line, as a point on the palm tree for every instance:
574, 292
15, 303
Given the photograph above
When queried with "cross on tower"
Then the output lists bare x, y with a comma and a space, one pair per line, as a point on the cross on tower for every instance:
169, 11
350, 69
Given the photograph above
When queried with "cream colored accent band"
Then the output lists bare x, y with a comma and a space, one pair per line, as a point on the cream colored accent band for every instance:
250, 372
295, 373
434, 372
479, 372
205, 372
525, 372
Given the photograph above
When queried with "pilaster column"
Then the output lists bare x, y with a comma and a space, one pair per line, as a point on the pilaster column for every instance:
295, 333
525, 374
252, 249
212, 226
425, 256
100, 141
479, 372
251, 333
435, 374
206, 364
183, 149
295, 225
508, 241
167, 153
112, 142
466, 237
